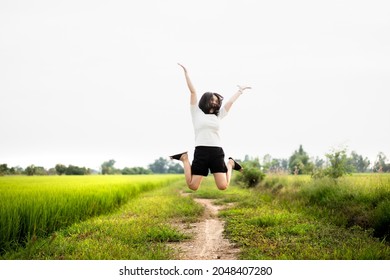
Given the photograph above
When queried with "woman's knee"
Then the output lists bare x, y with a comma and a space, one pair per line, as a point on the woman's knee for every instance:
222, 186
195, 182
221, 181
193, 186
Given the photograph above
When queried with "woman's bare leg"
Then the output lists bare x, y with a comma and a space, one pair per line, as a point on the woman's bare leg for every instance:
222, 180
193, 181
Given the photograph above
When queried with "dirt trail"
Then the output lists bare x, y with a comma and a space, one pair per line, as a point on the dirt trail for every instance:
208, 242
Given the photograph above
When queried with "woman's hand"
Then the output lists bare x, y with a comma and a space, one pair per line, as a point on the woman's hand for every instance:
185, 70
235, 97
242, 88
194, 99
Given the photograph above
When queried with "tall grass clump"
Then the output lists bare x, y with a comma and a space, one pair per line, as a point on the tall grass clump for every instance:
280, 184
297, 217
36, 206
358, 200
251, 174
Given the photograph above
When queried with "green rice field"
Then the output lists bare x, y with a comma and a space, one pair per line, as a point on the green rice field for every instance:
36, 206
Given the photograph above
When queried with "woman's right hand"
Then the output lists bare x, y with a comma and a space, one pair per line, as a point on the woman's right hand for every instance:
190, 86
185, 70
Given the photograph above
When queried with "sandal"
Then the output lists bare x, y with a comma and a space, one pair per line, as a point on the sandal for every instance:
236, 165
177, 156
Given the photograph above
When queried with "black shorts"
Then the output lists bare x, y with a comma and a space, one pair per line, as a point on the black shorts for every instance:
208, 158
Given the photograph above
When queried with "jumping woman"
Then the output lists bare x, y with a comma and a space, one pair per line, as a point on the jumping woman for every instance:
208, 155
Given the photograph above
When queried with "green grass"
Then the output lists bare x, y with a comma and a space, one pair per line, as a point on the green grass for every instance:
295, 217
32, 207
138, 230
359, 200
286, 217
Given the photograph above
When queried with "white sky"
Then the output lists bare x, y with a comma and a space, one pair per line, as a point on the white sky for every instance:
85, 81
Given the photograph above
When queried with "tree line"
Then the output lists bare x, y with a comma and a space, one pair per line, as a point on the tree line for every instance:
31, 170
159, 166
337, 164
301, 163
298, 163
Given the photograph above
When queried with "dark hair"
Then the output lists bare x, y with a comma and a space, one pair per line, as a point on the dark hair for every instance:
205, 104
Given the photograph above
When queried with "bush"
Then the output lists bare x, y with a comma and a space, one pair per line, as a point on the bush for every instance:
338, 164
382, 219
251, 175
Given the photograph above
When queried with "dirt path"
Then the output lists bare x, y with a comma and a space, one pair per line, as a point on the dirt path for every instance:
208, 242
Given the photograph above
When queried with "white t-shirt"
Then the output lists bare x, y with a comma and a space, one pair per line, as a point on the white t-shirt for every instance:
206, 126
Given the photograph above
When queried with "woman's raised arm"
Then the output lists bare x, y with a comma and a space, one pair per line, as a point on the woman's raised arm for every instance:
235, 96
194, 98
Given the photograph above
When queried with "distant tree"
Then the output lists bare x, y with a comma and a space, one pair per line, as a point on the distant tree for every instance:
128, 171
175, 168
135, 170
60, 169
319, 163
358, 163
17, 170
163, 166
108, 167
380, 164
76, 170
267, 162
274, 165
159, 166
39, 170
30, 170
284, 164
318, 170
338, 164
252, 161
52, 171
3, 169
299, 162
11, 171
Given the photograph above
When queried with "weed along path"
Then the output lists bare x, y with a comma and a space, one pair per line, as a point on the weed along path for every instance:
207, 242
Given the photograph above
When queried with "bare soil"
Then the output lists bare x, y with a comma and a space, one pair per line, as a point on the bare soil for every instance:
208, 242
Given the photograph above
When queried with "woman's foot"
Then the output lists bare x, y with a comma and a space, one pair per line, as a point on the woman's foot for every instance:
236, 166
179, 156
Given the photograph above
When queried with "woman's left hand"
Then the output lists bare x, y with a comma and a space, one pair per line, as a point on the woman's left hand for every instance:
242, 88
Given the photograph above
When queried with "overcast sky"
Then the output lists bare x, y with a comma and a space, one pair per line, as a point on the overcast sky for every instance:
86, 81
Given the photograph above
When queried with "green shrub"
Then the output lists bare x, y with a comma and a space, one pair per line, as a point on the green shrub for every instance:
250, 176
382, 219
339, 165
